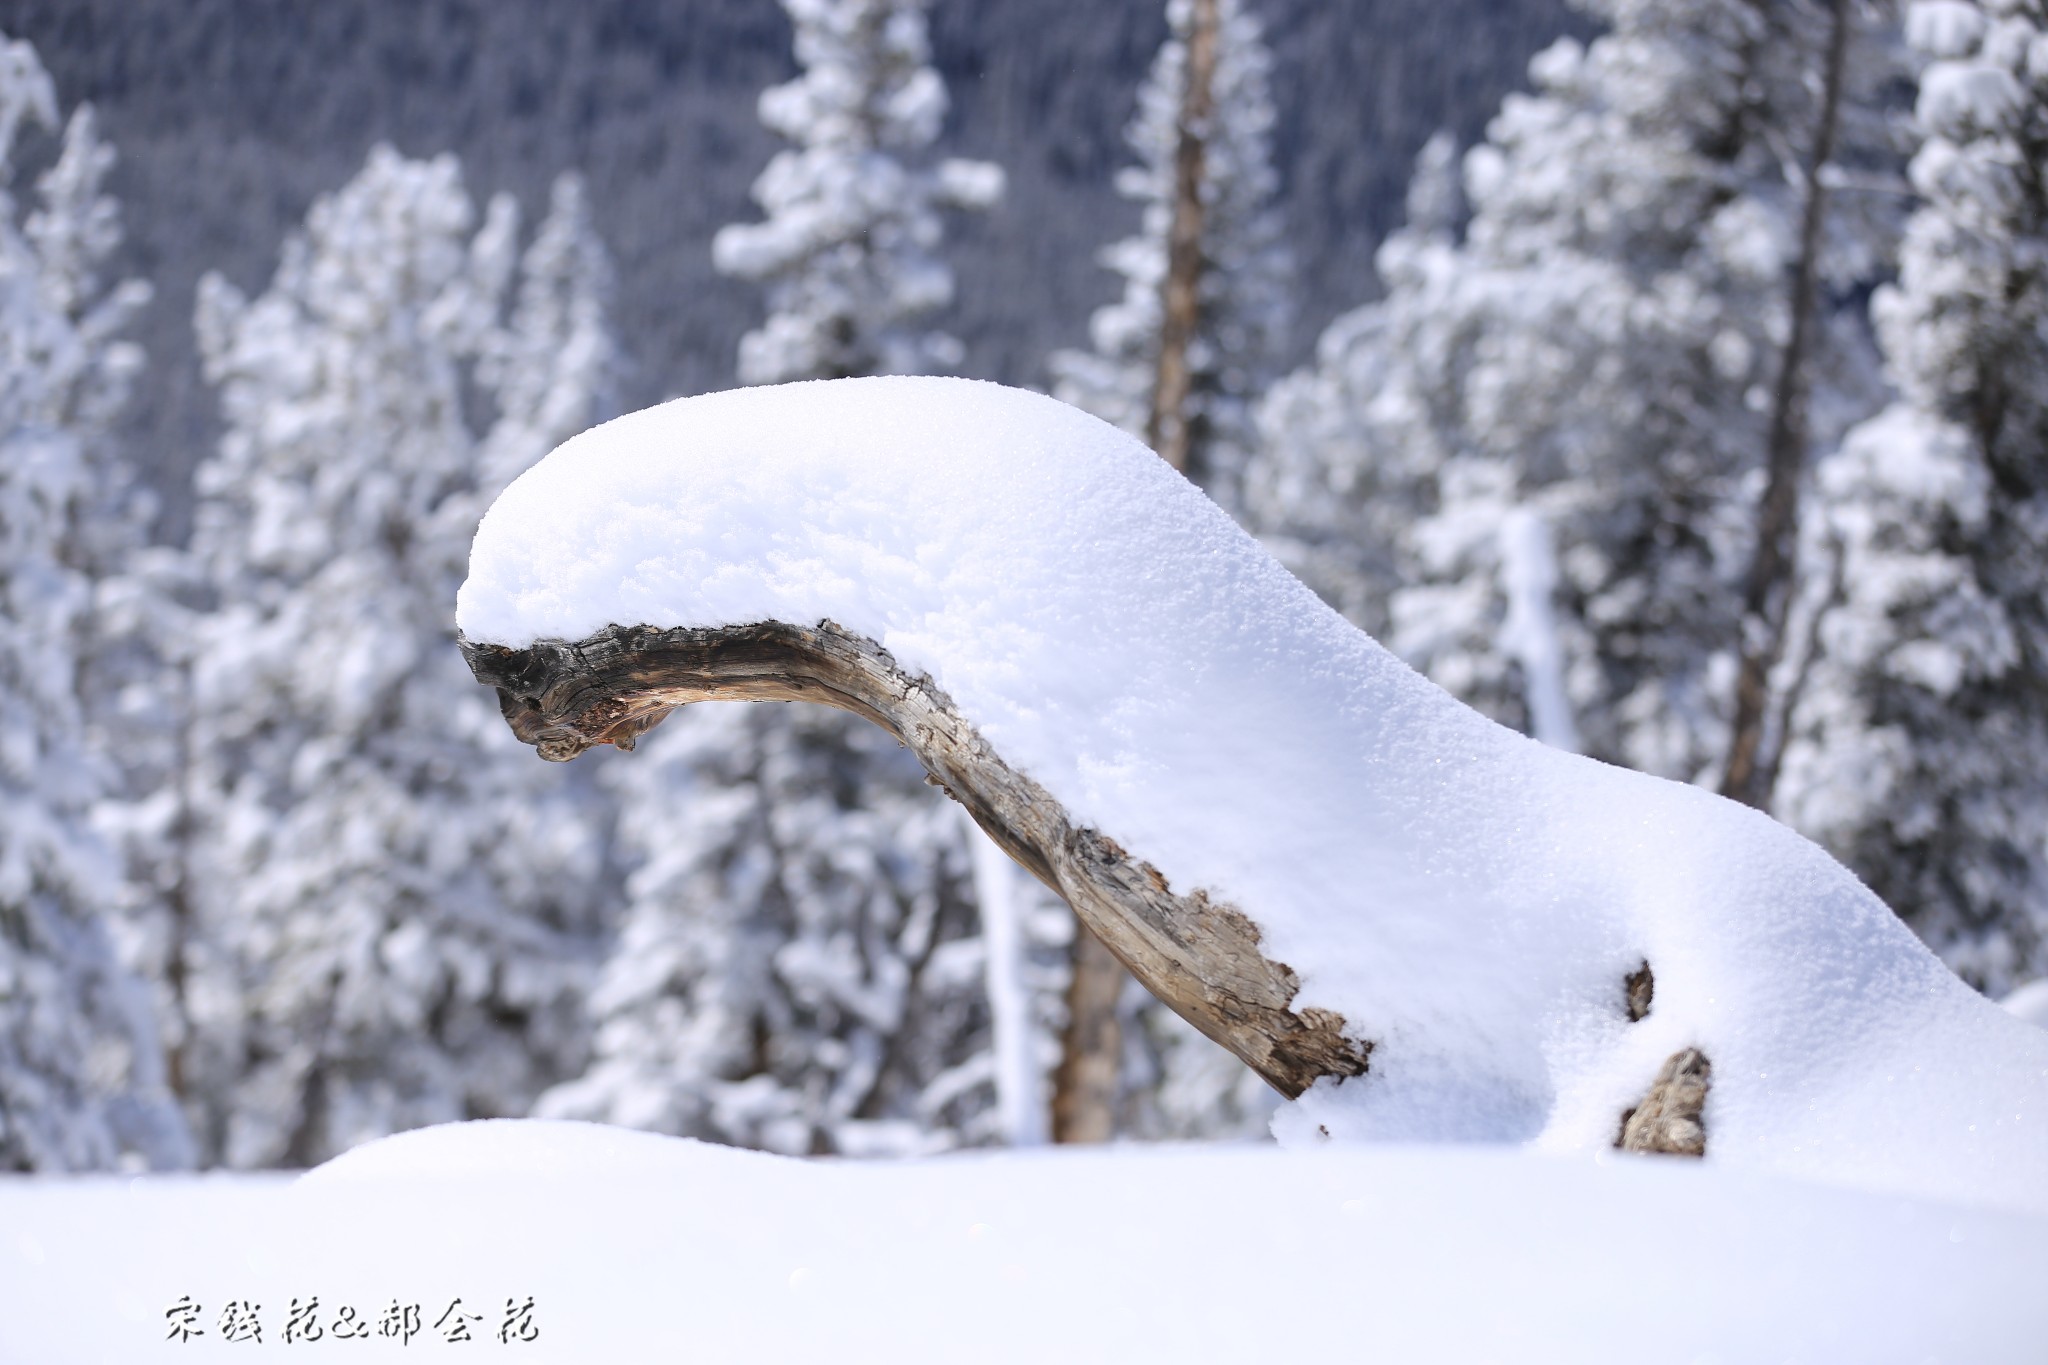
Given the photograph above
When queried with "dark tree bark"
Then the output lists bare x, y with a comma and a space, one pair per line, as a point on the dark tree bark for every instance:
1085, 1082
1767, 597
1168, 428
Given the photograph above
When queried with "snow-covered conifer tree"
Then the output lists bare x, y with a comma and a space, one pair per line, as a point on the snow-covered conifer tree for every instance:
800, 966
799, 969
81, 1064
1921, 733
1337, 480
1578, 388
1242, 303
396, 904
552, 369
849, 250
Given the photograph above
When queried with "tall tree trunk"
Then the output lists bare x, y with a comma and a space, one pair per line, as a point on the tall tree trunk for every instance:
1085, 1085
1167, 429
1767, 597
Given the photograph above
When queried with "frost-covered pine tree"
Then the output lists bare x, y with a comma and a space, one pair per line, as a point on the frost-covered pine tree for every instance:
1243, 273
1921, 735
848, 252
801, 967
82, 1085
396, 905
1576, 391
1335, 487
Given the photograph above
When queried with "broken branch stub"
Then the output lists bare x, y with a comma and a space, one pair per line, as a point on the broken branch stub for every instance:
1671, 1117
1199, 956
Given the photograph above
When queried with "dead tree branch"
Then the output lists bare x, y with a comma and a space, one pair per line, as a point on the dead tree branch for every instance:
1201, 957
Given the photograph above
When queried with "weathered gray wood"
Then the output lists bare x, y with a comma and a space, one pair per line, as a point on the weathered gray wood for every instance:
1669, 1118
1199, 956
1640, 988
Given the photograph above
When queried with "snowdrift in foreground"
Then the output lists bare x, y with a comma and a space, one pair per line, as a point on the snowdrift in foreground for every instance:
1468, 900
638, 1248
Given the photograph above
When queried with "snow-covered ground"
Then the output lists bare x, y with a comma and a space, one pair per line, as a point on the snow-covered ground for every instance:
641, 1248
1468, 900
2029, 1002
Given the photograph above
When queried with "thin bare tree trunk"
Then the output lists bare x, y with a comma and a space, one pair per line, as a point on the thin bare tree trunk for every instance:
1167, 430
1767, 598
1085, 1084
1779, 732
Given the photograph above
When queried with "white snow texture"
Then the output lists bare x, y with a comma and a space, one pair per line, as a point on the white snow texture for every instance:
1468, 899
635, 1248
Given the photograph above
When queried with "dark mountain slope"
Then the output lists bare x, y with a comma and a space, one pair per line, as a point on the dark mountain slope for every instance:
231, 115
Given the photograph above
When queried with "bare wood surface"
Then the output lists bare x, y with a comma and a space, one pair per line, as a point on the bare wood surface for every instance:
1669, 1120
1199, 956
1639, 988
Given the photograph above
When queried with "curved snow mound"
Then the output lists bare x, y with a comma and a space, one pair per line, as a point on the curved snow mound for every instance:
2029, 1002
519, 1148
1468, 900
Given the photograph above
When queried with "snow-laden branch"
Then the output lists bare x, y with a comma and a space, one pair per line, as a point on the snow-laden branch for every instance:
1201, 958
1312, 853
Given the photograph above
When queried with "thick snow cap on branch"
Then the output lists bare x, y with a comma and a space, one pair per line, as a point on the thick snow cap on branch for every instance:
1469, 901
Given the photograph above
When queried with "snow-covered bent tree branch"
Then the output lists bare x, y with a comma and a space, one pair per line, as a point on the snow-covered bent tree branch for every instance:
1420, 923
1202, 958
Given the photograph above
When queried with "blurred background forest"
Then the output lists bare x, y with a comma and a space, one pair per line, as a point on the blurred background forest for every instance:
232, 116
1663, 377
